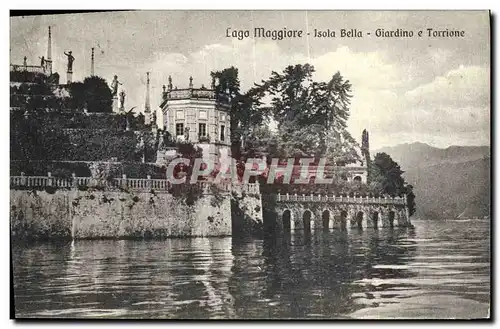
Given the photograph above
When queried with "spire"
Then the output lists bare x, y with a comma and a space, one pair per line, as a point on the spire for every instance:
92, 63
48, 60
147, 105
49, 46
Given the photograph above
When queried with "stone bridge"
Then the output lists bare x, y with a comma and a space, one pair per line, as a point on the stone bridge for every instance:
308, 212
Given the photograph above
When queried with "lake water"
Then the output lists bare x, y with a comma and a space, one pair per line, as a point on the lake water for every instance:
440, 269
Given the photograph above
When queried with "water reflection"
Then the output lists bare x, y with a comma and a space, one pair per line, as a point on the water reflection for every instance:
438, 270
312, 275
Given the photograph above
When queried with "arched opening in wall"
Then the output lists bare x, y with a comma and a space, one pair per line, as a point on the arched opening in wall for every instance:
306, 219
375, 219
391, 218
343, 219
326, 220
357, 179
359, 219
286, 219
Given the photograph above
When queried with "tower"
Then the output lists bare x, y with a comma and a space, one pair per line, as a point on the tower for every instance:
200, 116
48, 61
92, 63
147, 105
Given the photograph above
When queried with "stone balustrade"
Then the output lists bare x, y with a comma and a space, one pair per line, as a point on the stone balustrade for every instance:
28, 68
341, 199
251, 188
139, 184
191, 93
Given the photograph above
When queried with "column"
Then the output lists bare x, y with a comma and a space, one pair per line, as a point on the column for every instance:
115, 105
384, 218
368, 217
334, 221
402, 218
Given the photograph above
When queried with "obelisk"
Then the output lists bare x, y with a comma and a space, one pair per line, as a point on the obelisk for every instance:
92, 63
147, 105
48, 61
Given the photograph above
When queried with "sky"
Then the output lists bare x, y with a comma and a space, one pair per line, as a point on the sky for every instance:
405, 90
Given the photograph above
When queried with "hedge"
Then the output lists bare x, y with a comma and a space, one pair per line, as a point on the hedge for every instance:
82, 169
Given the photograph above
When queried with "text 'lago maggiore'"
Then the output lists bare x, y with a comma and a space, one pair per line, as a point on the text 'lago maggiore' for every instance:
284, 33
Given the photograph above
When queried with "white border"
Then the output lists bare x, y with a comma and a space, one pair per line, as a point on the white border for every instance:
190, 4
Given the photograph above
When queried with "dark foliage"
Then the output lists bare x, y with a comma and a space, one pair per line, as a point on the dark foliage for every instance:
387, 177
93, 94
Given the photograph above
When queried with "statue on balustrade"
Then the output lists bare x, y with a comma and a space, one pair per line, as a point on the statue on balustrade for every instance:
71, 59
42, 62
122, 99
161, 141
114, 85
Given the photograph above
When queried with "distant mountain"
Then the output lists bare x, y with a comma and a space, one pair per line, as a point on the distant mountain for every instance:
423, 155
447, 182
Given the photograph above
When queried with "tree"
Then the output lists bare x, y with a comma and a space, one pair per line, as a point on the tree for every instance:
93, 94
244, 108
77, 92
311, 116
260, 141
410, 198
387, 174
386, 178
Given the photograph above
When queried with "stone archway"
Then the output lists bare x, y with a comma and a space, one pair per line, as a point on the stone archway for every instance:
325, 216
343, 219
358, 222
391, 215
306, 221
357, 179
286, 219
375, 219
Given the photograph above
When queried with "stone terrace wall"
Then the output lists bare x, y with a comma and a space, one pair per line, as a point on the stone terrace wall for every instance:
115, 214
